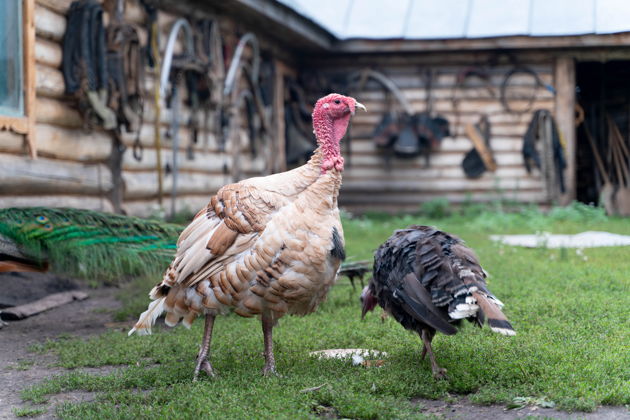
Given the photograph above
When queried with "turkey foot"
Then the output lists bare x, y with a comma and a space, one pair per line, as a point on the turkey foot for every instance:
270, 370
202, 358
438, 372
204, 365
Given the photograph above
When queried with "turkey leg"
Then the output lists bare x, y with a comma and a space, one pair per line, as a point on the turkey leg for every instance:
438, 372
202, 358
270, 361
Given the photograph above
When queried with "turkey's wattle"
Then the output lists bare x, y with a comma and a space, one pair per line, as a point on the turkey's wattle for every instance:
265, 246
331, 116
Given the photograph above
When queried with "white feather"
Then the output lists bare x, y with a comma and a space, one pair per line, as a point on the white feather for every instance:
148, 317
503, 331
463, 310
496, 301
466, 273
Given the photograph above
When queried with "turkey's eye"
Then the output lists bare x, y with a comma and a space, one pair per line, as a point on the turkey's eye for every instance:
337, 101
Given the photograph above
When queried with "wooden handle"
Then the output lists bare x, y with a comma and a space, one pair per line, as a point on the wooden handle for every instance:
598, 159
481, 147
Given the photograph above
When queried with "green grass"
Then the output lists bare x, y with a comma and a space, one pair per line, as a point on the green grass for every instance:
28, 412
570, 310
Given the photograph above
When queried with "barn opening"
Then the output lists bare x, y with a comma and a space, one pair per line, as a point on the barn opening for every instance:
603, 93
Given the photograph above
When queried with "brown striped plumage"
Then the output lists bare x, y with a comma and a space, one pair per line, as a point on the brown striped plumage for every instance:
265, 246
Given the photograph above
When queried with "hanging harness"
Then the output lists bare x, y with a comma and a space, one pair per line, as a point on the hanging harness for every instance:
552, 164
84, 63
103, 68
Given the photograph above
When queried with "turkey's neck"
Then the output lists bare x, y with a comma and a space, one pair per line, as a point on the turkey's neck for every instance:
325, 185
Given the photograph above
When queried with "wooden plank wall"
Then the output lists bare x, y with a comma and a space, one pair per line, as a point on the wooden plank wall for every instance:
370, 184
71, 168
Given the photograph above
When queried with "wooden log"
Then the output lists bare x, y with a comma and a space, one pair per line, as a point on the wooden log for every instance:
142, 185
203, 162
80, 202
48, 53
59, 113
49, 24
439, 159
76, 145
419, 95
49, 302
49, 82
59, 6
11, 142
150, 208
501, 118
428, 174
448, 144
416, 198
147, 140
23, 176
480, 105
398, 206
488, 182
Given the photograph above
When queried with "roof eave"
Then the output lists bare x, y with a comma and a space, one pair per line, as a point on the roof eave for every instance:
273, 12
358, 46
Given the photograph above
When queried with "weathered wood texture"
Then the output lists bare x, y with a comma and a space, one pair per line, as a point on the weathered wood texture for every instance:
23, 176
72, 168
564, 79
373, 183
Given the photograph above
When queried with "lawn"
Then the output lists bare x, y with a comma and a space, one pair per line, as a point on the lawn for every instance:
570, 310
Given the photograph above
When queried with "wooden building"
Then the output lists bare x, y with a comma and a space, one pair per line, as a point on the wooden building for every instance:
50, 157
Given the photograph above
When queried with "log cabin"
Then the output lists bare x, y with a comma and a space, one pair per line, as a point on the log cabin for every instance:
458, 60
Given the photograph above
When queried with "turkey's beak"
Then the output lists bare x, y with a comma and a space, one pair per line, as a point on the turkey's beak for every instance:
367, 301
364, 311
359, 105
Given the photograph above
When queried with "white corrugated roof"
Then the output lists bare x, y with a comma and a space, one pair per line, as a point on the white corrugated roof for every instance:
441, 19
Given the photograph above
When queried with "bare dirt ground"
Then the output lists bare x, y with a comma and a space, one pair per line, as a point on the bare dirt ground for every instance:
20, 368
462, 409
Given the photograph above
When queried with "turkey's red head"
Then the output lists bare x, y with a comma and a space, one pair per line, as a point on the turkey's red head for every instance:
368, 301
331, 116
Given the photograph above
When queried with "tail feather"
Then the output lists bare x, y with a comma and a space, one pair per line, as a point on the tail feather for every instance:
148, 317
491, 309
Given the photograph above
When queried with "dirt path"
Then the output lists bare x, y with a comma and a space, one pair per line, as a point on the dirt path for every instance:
20, 368
462, 409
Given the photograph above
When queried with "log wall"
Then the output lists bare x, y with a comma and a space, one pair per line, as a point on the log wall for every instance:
403, 184
71, 169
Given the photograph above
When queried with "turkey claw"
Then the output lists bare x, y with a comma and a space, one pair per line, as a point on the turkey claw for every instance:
439, 374
206, 367
269, 371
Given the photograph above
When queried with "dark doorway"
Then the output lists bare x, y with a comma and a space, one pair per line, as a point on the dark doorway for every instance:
603, 92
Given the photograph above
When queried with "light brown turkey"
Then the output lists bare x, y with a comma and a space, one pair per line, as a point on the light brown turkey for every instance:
265, 246
428, 280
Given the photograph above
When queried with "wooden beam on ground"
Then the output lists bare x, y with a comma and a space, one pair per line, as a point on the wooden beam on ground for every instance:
41, 305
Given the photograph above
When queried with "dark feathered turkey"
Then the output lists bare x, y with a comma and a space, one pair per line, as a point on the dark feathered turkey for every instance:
428, 280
